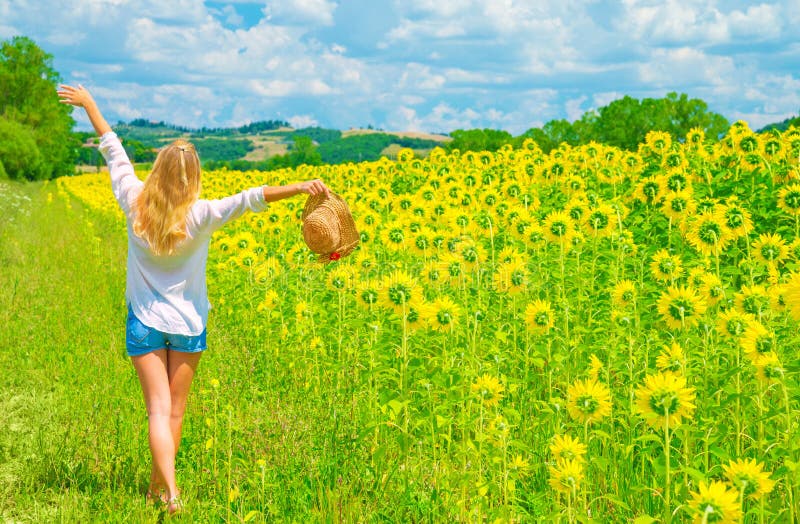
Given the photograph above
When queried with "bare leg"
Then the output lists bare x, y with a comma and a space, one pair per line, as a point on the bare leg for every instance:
153, 377
181, 368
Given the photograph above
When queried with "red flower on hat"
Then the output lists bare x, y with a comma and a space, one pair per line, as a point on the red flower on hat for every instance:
335, 256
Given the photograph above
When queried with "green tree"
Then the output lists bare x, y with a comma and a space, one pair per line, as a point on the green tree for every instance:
28, 85
479, 139
19, 155
304, 152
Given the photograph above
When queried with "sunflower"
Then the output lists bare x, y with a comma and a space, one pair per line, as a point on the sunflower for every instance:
399, 291
678, 205
595, 366
681, 307
758, 342
736, 218
651, 190
624, 293
708, 234
749, 478
511, 277
340, 279
714, 502
452, 268
695, 137
510, 254
711, 288
302, 311
588, 401
488, 389
368, 293
442, 314
539, 316
558, 227
421, 242
770, 249
566, 476
658, 141
269, 303
733, 323
754, 300
769, 368
789, 199
565, 447
600, 221
671, 359
666, 267
393, 237
665, 395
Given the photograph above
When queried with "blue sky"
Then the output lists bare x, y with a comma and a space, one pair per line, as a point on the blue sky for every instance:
427, 65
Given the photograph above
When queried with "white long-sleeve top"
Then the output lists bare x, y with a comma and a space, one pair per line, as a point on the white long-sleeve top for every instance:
168, 292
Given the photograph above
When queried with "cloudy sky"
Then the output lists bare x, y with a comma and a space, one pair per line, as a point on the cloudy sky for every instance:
430, 65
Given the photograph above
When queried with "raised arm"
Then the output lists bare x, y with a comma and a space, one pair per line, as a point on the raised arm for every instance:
80, 97
123, 178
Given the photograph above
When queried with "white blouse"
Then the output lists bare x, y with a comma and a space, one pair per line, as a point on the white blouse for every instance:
168, 292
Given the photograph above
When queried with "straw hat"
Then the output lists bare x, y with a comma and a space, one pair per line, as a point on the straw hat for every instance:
328, 227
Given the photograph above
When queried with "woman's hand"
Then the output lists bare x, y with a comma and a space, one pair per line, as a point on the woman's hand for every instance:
80, 97
75, 96
314, 187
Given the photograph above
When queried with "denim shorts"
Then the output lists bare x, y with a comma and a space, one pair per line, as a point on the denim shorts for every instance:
141, 339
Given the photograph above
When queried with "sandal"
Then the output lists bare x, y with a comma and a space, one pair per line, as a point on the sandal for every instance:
155, 497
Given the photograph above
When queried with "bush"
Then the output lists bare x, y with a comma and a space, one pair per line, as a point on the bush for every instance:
19, 153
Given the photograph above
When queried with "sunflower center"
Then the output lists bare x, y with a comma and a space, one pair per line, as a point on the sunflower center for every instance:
587, 404
396, 236
399, 294
681, 308
599, 220
664, 402
709, 233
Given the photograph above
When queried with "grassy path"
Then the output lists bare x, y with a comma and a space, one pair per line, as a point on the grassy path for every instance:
72, 420
73, 445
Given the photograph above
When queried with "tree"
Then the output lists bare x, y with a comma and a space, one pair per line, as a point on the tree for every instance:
304, 152
19, 155
479, 139
28, 83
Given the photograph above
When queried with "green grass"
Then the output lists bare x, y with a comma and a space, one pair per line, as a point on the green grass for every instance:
74, 442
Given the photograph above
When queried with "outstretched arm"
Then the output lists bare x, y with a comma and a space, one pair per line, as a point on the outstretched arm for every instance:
80, 97
312, 187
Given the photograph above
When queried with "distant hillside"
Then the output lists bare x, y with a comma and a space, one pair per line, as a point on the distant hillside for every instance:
783, 126
252, 146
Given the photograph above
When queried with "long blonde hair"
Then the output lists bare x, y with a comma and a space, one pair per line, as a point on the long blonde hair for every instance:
168, 193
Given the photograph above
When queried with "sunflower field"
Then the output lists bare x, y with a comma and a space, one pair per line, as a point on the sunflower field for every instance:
589, 335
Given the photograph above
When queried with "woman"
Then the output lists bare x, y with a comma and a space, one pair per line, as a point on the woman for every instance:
169, 229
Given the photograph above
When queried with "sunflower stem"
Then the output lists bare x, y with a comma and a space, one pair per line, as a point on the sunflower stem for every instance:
667, 487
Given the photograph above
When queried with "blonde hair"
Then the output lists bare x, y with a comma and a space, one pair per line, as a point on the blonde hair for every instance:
168, 193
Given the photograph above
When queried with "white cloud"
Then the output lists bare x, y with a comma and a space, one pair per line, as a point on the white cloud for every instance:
300, 121
420, 77
573, 108
302, 11
685, 66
